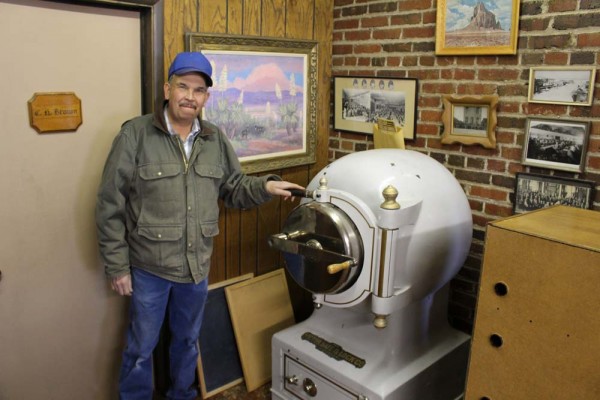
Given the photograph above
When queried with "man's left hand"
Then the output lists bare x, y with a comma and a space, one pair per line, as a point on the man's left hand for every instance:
282, 188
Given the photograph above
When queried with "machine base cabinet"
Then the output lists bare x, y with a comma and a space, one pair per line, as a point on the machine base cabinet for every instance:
537, 327
337, 354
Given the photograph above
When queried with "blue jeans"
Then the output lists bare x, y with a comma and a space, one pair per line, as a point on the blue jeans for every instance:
149, 300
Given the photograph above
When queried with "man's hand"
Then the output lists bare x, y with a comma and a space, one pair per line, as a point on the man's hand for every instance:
282, 188
122, 285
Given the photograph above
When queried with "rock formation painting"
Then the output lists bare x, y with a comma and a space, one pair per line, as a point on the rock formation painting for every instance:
478, 23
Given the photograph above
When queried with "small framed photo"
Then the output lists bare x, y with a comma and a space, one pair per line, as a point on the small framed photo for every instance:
572, 85
359, 101
533, 191
555, 144
470, 120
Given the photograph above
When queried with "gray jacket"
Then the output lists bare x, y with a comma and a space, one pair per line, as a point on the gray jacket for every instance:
158, 211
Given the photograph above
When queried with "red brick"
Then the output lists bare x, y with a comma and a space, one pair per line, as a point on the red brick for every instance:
588, 40
374, 22
394, 61
488, 193
496, 165
562, 5
498, 210
556, 58
421, 32
367, 48
383, 34
357, 35
593, 162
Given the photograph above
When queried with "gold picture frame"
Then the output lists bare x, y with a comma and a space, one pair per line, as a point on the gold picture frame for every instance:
470, 120
458, 31
264, 97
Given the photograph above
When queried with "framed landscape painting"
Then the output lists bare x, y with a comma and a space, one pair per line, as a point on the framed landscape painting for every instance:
472, 27
263, 98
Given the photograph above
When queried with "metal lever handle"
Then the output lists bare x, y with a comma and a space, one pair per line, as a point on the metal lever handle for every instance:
335, 268
292, 380
301, 193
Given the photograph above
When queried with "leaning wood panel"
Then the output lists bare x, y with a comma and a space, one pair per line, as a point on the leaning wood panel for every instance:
273, 18
213, 16
299, 17
259, 307
252, 17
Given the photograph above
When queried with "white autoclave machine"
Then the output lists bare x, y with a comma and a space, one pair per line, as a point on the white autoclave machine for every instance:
376, 240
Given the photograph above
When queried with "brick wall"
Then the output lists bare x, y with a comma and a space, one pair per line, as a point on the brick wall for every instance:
397, 39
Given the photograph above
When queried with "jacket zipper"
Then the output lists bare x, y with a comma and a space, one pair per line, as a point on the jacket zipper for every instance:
186, 163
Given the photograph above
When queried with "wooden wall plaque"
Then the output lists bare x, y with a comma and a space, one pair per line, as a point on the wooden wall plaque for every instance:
54, 112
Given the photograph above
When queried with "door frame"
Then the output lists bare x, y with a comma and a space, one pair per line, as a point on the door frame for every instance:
151, 44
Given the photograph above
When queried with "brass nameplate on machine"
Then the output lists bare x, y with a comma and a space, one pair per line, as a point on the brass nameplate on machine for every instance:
333, 350
54, 112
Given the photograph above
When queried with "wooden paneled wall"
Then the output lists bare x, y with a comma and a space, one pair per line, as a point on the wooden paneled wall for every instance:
242, 245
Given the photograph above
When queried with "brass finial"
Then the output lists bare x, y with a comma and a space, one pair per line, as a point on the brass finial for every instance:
323, 183
390, 194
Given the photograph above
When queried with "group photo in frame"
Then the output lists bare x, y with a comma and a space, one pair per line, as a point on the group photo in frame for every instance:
263, 97
470, 120
476, 27
555, 143
535, 191
359, 101
569, 85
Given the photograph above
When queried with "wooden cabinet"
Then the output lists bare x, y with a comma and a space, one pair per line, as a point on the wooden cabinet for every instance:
537, 324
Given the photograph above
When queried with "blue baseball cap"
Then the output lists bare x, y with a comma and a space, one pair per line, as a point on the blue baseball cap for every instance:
192, 61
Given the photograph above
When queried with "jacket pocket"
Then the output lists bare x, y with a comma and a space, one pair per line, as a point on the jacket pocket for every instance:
160, 245
210, 229
206, 189
161, 193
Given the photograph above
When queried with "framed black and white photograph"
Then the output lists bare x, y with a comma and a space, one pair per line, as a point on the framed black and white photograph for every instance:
572, 85
534, 191
555, 144
359, 101
470, 120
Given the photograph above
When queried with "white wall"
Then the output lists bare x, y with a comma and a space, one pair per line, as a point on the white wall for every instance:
61, 328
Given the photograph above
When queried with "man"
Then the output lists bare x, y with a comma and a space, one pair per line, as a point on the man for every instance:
157, 213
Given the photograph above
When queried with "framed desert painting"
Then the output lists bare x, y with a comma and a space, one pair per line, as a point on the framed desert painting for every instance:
264, 97
473, 27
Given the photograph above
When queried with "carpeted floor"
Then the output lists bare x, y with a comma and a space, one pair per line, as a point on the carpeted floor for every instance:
235, 393
239, 393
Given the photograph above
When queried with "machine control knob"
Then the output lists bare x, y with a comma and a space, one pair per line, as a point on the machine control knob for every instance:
309, 387
292, 380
